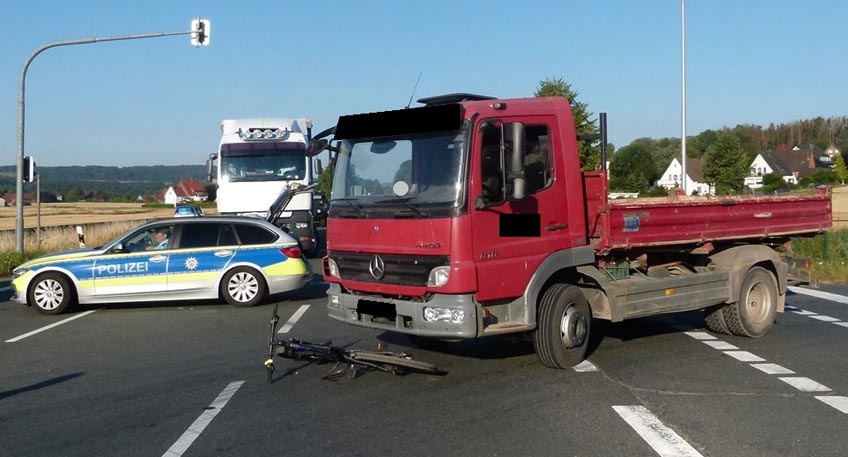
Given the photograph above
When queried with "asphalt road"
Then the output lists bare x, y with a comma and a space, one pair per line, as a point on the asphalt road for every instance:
187, 379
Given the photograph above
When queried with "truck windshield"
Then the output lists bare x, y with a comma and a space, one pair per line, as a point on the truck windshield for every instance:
412, 176
262, 162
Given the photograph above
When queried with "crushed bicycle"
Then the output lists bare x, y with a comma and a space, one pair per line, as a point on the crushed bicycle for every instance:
346, 362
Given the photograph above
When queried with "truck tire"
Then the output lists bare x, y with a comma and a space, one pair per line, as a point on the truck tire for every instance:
714, 318
50, 293
562, 331
753, 314
243, 286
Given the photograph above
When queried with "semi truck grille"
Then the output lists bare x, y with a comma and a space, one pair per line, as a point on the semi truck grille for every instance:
405, 270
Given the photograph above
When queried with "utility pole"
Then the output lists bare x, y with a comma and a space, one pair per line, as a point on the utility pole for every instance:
683, 92
199, 37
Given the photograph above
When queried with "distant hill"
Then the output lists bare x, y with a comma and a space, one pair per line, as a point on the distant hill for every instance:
115, 182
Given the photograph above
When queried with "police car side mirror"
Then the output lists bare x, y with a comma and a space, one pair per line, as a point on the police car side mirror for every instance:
117, 248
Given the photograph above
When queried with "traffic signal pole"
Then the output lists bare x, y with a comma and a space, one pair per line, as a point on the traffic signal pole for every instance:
199, 37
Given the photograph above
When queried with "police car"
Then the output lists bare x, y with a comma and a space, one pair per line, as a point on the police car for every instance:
239, 259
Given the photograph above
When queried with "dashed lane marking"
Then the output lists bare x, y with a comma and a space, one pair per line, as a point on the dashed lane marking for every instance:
805, 384
197, 427
799, 382
663, 440
819, 294
772, 368
840, 403
824, 318
720, 345
744, 356
584, 367
293, 320
48, 327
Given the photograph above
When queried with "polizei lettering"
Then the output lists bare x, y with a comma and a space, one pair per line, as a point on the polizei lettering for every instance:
122, 268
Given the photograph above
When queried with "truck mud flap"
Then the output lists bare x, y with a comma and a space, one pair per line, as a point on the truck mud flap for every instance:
799, 272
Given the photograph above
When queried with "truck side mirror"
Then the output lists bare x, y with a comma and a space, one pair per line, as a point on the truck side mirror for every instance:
318, 168
316, 146
212, 158
515, 160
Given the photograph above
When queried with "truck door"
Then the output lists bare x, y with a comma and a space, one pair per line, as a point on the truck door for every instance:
511, 238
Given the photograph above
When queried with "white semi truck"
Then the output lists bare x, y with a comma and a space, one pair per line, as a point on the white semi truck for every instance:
257, 159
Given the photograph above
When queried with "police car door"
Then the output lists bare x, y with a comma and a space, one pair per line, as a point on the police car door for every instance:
135, 269
204, 249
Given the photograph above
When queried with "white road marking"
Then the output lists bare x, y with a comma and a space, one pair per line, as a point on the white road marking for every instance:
196, 428
663, 440
843, 324
805, 384
840, 403
790, 308
803, 312
293, 320
824, 318
744, 356
584, 367
721, 345
772, 368
701, 336
48, 327
819, 294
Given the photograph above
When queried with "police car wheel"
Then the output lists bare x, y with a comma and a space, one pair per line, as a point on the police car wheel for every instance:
50, 293
243, 286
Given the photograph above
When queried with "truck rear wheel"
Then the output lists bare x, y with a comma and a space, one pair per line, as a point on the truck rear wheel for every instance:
753, 314
714, 318
562, 330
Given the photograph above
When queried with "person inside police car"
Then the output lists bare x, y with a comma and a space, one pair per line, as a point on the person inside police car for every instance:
160, 239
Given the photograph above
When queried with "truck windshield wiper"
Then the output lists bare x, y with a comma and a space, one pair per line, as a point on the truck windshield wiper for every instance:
418, 211
352, 202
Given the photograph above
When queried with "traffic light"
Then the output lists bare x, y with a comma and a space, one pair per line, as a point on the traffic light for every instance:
29, 169
200, 32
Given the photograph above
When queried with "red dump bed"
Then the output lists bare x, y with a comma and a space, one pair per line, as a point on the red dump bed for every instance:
648, 222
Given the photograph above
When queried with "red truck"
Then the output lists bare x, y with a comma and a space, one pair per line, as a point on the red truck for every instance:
470, 217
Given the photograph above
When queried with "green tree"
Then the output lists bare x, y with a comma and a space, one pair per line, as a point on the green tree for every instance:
590, 154
632, 168
840, 169
325, 180
726, 164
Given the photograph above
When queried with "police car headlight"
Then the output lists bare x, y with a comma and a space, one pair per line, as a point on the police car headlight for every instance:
438, 277
19, 272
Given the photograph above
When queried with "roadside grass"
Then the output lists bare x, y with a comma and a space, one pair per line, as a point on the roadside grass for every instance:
828, 253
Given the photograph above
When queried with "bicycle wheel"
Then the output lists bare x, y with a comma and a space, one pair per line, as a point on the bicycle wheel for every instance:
395, 360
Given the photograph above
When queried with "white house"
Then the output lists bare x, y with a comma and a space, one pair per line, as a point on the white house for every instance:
765, 163
171, 196
672, 177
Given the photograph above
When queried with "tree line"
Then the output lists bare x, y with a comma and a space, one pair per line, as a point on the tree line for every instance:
75, 183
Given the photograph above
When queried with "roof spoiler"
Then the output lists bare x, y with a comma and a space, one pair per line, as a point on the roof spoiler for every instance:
453, 98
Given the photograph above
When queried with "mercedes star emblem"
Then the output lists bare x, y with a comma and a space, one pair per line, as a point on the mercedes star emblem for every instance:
377, 267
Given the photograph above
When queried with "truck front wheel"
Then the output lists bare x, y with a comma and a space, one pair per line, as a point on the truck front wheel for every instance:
562, 330
753, 314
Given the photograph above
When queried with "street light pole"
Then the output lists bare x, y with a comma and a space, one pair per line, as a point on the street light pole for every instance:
19, 226
683, 94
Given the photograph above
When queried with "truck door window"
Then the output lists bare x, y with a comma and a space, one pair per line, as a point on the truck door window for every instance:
538, 158
492, 164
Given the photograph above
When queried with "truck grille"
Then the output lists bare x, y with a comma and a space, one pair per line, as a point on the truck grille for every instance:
405, 270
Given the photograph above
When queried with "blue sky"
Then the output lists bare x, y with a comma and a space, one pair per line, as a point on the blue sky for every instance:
160, 101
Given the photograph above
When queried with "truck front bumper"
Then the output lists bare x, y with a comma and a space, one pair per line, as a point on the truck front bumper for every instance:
404, 316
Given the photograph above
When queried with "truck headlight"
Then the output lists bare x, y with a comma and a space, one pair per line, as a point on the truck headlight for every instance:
301, 225
438, 277
444, 315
